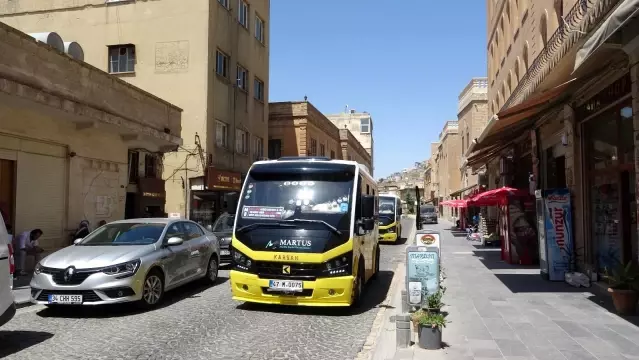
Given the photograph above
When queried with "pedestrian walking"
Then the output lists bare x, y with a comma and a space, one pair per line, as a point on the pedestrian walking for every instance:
27, 244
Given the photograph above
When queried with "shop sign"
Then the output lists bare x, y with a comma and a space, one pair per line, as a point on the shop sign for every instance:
422, 274
223, 180
151, 187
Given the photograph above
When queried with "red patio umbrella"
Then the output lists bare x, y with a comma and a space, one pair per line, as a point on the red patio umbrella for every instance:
456, 203
495, 196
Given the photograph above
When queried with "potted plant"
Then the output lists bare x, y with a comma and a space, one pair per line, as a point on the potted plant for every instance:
624, 284
429, 331
434, 301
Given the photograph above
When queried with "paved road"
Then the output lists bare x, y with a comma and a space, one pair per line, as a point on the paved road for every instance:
198, 323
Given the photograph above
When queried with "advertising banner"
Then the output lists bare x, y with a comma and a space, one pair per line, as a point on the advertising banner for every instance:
559, 237
422, 274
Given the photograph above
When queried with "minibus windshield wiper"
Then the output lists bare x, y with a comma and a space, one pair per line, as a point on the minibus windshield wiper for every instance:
264, 224
310, 221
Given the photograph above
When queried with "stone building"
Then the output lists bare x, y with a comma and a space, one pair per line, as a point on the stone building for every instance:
297, 128
211, 58
360, 124
562, 90
472, 117
447, 161
66, 131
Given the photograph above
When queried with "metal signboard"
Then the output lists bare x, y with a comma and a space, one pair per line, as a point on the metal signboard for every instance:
422, 273
431, 239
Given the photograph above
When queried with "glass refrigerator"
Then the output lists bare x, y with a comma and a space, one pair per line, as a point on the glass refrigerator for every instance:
554, 231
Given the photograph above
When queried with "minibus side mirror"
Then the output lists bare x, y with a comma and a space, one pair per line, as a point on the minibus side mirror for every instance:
368, 206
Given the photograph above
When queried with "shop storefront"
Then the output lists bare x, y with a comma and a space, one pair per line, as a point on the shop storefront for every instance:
150, 198
219, 193
609, 174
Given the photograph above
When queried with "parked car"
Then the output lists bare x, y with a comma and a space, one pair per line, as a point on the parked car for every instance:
223, 230
428, 214
7, 267
125, 261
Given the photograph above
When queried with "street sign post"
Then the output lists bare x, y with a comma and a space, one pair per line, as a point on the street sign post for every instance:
422, 274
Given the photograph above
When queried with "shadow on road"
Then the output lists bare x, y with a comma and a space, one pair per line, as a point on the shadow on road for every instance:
534, 283
373, 297
12, 342
491, 258
606, 303
192, 290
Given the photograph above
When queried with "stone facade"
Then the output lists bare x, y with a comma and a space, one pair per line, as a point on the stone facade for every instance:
448, 162
360, 124
472, 118
65, 133
176, 57
300, 129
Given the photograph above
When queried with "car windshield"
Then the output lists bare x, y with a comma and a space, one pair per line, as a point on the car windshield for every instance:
124, 234
386, 205
224, 223
309, 199
427, 210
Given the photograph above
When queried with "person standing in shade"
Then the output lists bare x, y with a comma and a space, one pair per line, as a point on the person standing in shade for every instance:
27, 244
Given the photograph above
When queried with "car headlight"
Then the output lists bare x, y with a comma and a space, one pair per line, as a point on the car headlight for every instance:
339, 265
123, 270
37, 269
241, 261
226, 240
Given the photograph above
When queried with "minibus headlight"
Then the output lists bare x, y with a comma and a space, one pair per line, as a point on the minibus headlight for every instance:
339, 266
241, 261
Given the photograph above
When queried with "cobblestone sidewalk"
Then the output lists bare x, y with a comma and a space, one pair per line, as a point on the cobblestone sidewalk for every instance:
499, 311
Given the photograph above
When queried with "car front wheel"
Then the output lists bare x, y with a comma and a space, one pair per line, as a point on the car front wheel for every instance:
153, 289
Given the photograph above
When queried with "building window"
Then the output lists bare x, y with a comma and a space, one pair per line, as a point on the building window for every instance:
259, 29
242, 13
274, 149
258, 89
222, 64
224, 3
221, 134
364, 125
322, 150
134, 163
241, 141
242, 78
122, 59
332, 154
150, 166
258, 151
312, 149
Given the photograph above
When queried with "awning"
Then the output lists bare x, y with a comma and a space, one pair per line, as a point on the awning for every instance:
482, 156
627, 10
510, 123
459, 192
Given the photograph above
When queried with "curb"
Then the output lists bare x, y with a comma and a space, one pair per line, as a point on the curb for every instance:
370, 345
23, 304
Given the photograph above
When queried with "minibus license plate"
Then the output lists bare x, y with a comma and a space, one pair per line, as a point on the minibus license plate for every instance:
65, 299
286, 285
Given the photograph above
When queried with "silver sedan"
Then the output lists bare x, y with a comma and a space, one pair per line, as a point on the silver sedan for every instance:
126, 261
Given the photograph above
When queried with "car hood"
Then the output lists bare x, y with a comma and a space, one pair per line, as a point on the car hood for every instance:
87, 257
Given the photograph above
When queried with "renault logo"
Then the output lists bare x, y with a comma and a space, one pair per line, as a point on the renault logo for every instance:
286, 269
68, 273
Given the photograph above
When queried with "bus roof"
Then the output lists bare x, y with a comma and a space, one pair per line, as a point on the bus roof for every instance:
363, 168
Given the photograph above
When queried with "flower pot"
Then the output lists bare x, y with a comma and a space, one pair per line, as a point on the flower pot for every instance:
625, 301
429, 338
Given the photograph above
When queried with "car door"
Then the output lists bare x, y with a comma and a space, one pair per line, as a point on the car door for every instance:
6, 279
175, 259
198, 249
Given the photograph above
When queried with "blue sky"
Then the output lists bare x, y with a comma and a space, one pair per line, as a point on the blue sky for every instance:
403, 61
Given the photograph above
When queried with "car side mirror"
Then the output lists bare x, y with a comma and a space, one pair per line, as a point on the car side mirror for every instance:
77, 241
368, 206
174, 241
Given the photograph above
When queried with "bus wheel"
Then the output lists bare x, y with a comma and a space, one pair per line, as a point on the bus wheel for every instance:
358, 288
377, 256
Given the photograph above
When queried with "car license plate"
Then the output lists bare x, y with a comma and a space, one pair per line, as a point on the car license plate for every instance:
65, 299
286, 285
225, 252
